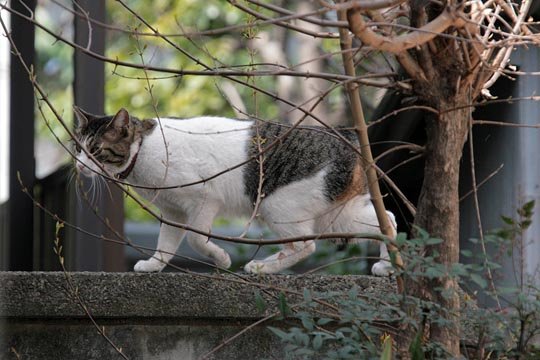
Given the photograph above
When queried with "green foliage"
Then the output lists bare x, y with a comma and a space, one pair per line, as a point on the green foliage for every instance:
259, 301
415, 349
369, 327
146, 93
386, 353
185, 96
283, 306
54, 70
346, 261
134, 212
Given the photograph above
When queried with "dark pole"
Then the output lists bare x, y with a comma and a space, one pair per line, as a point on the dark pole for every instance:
21, 144
89, 253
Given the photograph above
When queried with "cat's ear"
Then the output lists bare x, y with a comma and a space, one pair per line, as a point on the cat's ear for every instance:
121, 119
83, 117
148, 125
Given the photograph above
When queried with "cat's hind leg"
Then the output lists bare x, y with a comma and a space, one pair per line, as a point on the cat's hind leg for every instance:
200, 243
384, 267
358, 216
291, 211
169, 239
289, 255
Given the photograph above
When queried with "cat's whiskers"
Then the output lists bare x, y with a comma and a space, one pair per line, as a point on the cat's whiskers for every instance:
72, 182
78, 190
98, 183
90, 192
107, 186
71, 175
99, 188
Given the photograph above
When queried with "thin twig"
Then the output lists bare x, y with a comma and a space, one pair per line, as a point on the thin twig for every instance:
479, 217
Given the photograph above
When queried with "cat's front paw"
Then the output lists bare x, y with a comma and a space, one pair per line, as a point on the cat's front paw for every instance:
151, 265
382, 268
255, 267
224, 261
263, 267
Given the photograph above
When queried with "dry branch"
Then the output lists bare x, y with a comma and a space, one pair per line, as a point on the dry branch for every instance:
404, 42
361, 128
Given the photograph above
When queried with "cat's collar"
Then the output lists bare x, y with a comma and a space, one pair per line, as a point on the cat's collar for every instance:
124, 174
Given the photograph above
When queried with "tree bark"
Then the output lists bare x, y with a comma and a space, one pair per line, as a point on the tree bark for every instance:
438, 209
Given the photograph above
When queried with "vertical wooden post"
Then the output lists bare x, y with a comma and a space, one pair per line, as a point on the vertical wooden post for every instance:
88, 252
20, 234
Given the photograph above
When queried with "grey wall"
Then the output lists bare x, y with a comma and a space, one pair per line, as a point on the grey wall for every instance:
151, 316
518, 150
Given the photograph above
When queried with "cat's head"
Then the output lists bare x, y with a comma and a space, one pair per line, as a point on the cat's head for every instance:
113, 141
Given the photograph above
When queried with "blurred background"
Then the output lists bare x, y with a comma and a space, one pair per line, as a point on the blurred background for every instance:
210, 32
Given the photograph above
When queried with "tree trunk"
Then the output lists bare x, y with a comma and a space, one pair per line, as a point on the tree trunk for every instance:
438, 209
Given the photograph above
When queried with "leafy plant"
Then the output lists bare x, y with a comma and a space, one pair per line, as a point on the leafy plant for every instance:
371, 327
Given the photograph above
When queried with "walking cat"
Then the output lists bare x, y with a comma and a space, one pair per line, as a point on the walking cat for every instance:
312, 181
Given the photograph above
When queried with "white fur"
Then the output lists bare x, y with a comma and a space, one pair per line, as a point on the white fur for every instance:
199, 148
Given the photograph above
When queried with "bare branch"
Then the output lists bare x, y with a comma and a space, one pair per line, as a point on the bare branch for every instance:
401, 43
284, 24
363, 4
361, 128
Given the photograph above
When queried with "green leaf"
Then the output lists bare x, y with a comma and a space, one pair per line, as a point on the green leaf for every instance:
282, 305
480, 281
493, 265
421, 233
401, 239
280, 333
466, 253
528, 208
458, 269
415, 349
59, 226
317, 342
307, 323
386, 353
303, 339
507, 290
433, 241
525, 224
259, 301
307, 296
353, 293
393, 257
434, 272
507, 220
323, 321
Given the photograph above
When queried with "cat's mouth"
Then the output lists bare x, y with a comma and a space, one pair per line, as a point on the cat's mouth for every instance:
91, 171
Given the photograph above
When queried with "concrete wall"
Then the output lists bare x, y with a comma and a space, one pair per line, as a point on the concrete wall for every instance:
518, 181
150, 316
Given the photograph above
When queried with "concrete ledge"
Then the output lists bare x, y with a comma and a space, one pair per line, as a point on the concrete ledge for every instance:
157, 316
170, 295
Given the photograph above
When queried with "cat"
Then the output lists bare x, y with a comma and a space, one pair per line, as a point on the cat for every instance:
312, 181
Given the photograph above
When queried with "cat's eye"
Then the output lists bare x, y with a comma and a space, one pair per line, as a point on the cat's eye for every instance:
95, 150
